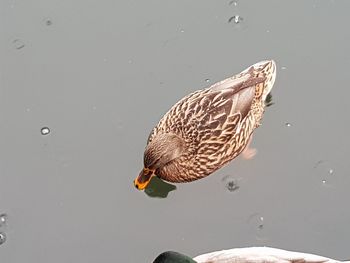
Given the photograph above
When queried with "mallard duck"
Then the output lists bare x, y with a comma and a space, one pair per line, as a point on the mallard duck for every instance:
208, 128
246, 255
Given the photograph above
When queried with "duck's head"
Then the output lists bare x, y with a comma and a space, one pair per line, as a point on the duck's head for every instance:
144, 178
173, 257
159, 152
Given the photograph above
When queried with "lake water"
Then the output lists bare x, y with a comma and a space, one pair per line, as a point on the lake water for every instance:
82, 83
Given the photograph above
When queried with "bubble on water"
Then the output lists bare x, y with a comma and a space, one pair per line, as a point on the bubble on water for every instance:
233, 2
45, 130
182, 31
18, 43
2, 238
231, 183
3, 219
283, 68
257, 225
236, 19
207, 80
47, 21
288, 124
267, 31
324, 172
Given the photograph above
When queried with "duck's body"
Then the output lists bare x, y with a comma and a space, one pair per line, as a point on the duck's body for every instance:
261, 255
246, 255
208, 128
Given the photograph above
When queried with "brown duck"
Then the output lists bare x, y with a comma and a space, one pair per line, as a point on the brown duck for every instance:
208, 128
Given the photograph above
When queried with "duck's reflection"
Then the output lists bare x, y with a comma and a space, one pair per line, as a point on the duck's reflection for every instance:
159, 188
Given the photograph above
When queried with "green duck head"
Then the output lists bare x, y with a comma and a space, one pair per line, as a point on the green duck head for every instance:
173, 257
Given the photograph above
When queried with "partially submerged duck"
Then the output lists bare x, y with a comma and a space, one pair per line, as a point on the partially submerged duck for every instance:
246, 255
208, 128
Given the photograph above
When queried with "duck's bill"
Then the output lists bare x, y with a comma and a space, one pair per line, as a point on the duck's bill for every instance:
143, 179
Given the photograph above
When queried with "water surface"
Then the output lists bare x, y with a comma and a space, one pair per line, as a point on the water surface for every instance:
98, 75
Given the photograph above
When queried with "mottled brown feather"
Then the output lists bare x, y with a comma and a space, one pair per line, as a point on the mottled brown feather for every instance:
210, 127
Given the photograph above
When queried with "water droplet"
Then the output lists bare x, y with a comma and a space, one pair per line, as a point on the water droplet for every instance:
48, 21
261, 224
45, 130
207, 80
231, 183
257, 225
283, 68
3, 219
233, 2
18, 43
27, 109
288, 124
182, 31
236, 19
2, 238
105, 60
324, 173
267, 31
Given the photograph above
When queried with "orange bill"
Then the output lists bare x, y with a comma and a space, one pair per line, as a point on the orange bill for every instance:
144, 178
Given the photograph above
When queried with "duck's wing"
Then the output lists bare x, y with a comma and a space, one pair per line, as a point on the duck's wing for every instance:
261, 255
224, 103
206, 122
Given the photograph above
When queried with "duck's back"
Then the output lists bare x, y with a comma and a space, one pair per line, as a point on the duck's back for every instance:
215, 125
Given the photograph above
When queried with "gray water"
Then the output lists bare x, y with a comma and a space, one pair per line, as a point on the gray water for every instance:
100, 74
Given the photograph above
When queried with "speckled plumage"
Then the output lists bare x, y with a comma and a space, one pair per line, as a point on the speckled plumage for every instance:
210, 127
